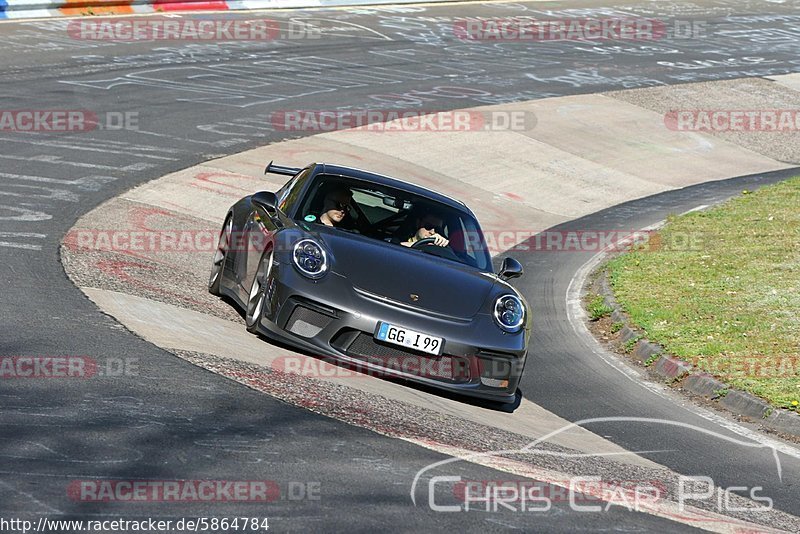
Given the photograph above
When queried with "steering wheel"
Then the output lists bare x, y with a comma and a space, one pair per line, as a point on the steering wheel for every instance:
423, 242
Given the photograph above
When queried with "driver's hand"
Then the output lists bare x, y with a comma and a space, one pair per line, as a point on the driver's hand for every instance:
440, 241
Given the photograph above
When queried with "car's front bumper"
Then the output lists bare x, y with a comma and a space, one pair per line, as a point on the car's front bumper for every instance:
332, 319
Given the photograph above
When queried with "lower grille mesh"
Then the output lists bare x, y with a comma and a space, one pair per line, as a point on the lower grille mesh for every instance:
445, 367
305, 322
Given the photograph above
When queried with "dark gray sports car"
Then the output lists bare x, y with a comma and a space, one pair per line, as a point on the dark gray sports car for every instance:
376, 273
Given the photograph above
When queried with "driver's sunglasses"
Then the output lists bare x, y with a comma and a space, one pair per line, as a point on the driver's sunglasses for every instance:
341, 206
432, 226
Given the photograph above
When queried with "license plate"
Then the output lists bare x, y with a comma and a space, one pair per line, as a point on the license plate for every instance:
405, 337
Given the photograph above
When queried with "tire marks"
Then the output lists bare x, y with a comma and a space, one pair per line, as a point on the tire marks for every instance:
60, 172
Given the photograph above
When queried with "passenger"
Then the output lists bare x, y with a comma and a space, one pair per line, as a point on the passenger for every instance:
428, 226
336, 206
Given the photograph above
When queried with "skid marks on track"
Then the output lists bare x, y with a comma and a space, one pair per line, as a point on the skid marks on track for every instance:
63, 173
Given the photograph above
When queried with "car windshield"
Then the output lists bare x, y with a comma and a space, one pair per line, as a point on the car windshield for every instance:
395, 216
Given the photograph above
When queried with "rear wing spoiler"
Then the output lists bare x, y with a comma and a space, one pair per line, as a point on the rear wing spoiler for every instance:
280, 169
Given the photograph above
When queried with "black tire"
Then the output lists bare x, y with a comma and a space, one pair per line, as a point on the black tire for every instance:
220, 257
258, 292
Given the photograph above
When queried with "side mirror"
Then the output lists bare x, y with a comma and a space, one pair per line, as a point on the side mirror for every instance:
265, 200
510, 268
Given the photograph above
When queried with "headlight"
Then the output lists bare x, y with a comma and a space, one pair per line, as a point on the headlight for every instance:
310, 259
509, 313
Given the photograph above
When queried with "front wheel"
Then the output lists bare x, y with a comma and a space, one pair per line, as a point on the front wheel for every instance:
258, 293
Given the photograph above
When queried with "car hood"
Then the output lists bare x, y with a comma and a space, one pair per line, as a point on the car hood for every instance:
395, 272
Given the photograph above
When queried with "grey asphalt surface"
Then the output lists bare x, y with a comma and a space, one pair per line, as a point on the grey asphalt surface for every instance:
196, 101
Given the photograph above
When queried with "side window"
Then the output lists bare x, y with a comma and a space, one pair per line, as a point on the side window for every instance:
287, 195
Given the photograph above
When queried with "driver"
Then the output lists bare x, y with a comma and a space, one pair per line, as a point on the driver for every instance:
428, 226
335, 206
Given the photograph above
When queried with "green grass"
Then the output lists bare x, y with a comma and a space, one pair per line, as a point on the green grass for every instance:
598, 309
651, 360
630, 344
729, 302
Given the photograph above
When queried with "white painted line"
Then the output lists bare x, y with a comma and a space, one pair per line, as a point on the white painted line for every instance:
56, 160
701, 207
62, 145
23, 246
22, 234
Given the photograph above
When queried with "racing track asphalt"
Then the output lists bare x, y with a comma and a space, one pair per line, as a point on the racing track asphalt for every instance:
176, 421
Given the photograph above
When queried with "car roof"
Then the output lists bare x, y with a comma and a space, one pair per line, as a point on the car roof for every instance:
380, 179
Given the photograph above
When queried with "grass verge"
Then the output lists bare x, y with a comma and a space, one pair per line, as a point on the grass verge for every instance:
721, 289
598, 309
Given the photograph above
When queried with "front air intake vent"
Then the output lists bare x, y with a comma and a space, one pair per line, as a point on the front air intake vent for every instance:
307, 323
